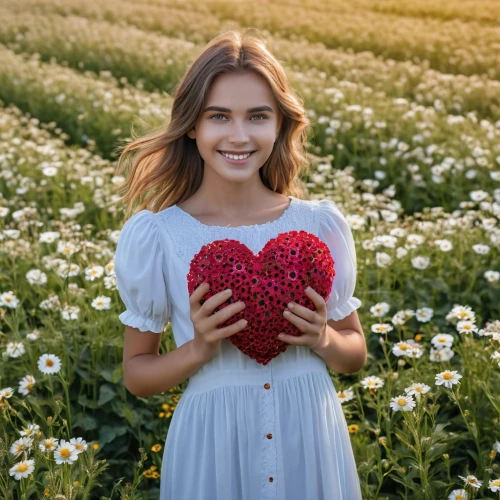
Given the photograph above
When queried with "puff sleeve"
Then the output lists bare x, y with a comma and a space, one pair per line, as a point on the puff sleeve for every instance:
334, 230
140, 274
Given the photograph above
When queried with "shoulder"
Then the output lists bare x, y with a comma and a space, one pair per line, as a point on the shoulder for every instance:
139, 232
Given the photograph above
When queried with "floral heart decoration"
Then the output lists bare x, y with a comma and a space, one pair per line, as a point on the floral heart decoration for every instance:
265, 282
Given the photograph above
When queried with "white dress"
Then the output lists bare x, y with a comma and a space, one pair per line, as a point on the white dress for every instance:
242, 430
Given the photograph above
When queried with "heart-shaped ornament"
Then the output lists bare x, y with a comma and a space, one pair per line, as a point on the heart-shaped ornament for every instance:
265, 282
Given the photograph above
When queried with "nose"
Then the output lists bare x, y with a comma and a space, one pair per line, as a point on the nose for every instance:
238, 133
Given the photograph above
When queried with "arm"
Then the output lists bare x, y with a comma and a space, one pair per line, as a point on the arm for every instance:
146, 372
345, 348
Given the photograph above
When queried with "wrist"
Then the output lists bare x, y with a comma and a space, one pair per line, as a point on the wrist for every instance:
199, 352
324, 342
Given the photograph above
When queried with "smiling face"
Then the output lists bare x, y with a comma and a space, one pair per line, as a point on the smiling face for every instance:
239, 127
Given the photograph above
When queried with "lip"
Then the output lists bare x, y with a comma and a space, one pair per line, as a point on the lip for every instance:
236, 162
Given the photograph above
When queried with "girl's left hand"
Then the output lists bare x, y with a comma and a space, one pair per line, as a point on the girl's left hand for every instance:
312, 324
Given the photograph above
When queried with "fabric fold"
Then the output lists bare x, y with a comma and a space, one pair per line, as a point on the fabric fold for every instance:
334, 230
140, 274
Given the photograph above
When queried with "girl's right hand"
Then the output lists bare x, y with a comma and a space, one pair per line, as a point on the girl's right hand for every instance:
207, 337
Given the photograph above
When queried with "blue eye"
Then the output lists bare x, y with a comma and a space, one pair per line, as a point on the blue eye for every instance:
213, 116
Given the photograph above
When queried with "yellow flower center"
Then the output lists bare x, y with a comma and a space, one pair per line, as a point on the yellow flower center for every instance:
401, 401
49, 362
64, 452
22, 468
447, 375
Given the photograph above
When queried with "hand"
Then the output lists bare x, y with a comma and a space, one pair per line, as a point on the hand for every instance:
207, 336
312, 324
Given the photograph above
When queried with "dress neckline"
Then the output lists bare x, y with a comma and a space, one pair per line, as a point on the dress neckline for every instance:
268, 223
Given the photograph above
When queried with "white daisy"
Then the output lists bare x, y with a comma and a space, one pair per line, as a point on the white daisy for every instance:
472, 481
380, 309
26, 384
15, 349
424, 314
8, 299
448, 378
458, 495
30, 430
494, 485
481, 249
381, 328
102, 302
466, 327
65, 453
22, 444
417, 389
79, 443
49, 444
372, 382
420, 262
49, 363
6, 393
36, 277
91, 273
439, 355
442, 340
405, 403
345, 395
22, 469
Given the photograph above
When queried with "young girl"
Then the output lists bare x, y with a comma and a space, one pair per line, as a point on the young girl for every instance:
227, 166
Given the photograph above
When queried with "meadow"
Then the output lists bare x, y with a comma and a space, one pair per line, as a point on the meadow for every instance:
404, 98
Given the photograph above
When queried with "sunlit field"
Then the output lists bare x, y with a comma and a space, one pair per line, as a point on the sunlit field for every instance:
404, 97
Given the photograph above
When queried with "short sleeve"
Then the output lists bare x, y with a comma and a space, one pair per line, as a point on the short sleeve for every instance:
334, 230
140, 274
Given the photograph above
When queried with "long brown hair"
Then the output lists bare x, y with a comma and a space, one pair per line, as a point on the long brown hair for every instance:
164, 167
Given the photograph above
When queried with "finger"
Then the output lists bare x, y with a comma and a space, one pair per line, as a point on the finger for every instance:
301, 311
216, 300
225, 313
227, 331
316, 298
300, 323
290, 339
196, 296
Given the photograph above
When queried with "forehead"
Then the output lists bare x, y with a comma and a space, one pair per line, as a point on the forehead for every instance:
239, 91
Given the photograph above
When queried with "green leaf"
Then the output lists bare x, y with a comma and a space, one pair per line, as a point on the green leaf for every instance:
108, 433
85, 421
106, 394
84, 374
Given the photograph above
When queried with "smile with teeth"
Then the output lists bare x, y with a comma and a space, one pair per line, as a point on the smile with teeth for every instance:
235, 157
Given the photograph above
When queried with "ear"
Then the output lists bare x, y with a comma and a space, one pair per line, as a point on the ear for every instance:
191, 134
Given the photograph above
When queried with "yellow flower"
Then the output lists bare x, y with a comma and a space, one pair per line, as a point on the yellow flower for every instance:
156, 447
353, 428
418, 337
95, 446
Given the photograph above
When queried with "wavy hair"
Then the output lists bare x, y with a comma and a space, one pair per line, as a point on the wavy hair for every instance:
164, 167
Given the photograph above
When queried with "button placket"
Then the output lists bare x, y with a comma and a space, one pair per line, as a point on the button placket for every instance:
268, 444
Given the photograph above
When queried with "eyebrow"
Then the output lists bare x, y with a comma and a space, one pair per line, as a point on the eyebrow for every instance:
227, 110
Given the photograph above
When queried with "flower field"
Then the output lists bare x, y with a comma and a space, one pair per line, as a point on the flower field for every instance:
404, 98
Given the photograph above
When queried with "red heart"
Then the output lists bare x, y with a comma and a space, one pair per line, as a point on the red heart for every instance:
265, 282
